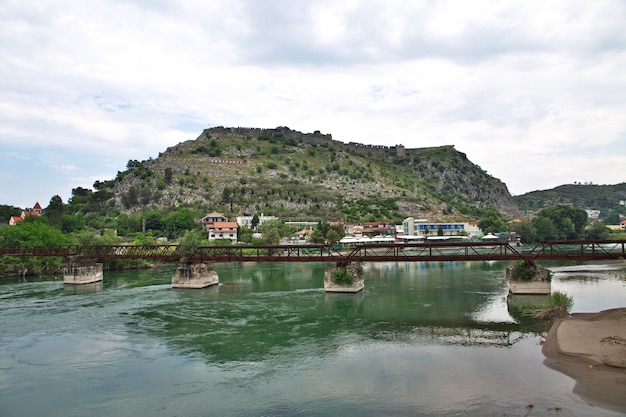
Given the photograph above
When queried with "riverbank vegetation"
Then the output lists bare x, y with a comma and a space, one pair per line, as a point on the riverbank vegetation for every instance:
556, 305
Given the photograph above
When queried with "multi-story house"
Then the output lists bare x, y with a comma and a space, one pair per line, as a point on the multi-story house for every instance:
218, 227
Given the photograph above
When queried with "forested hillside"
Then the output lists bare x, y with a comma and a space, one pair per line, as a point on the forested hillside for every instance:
608, 199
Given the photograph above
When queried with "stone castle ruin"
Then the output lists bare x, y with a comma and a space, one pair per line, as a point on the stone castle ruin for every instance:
315, 138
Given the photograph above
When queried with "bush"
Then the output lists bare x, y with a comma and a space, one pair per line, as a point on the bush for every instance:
342, 277
556, 305
559, 300
523, 271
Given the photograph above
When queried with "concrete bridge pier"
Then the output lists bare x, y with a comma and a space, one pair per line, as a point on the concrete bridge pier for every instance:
528, 278
194, 275
78, 272
344, 277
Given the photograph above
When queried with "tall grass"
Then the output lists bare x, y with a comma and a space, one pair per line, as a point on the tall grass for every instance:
555, 306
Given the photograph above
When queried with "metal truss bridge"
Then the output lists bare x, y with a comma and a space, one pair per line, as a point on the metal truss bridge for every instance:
575, 250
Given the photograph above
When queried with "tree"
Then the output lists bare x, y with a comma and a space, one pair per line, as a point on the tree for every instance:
526, 230
332, 236
85, 238
597, 230
272, 237
277, 225
7, 211
168, 175
128, 224
179, 221
544, 228
144, 240
492, 222
84, 192
255, 221
568, 222
153, 220
323, 227
244, 234
72, 222
316, 236
129, 199
612, 218
32, 231
337, 228
193, 238
54, 211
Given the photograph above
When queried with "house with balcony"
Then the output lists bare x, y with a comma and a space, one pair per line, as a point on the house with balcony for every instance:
213, 217
223, 231
219, 228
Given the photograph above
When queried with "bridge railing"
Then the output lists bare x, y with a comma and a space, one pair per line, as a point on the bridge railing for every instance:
438, 251
411, 252
267, 253
578, 249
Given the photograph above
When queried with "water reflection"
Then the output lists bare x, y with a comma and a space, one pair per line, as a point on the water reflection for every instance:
92, 287
259, 310
421, 339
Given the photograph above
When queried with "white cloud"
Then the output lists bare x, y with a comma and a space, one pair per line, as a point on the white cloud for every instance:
508, 83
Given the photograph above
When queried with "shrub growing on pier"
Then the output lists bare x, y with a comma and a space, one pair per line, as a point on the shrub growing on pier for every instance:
528, 271
523, 271
342, 277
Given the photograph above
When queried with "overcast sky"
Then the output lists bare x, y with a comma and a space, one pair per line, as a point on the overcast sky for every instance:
533, 92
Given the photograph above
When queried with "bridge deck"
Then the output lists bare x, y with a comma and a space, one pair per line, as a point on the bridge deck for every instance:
583, 250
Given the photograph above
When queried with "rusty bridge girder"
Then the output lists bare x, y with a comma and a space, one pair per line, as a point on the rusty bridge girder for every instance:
583, 250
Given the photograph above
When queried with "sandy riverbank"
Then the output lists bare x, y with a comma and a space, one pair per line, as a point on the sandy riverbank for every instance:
591, 348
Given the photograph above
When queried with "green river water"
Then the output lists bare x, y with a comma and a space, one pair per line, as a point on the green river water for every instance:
422, 339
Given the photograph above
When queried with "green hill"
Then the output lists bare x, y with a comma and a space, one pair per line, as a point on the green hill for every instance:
295, 175
608, 199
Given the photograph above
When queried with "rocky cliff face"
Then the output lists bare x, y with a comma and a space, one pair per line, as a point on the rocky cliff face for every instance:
297, 175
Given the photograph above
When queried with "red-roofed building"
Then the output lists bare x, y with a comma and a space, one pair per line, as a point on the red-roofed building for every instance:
222, 230
379, 228
218, 227
15, 220
212, 218
35, 211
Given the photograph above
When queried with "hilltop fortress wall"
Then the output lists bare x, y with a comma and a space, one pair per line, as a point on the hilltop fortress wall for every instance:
315, 138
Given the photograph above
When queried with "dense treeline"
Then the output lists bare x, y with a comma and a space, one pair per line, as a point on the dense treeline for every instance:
551, 223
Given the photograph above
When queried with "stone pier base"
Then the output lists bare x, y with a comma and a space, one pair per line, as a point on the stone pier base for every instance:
82, 274
355, 270
538, 284
194, 276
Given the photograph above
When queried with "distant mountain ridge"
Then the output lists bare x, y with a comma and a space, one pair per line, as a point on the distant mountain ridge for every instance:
605, 198
306, 175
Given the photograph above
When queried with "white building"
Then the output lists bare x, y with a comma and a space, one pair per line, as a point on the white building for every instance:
222, 231
246, 221
422, 227
219, 228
